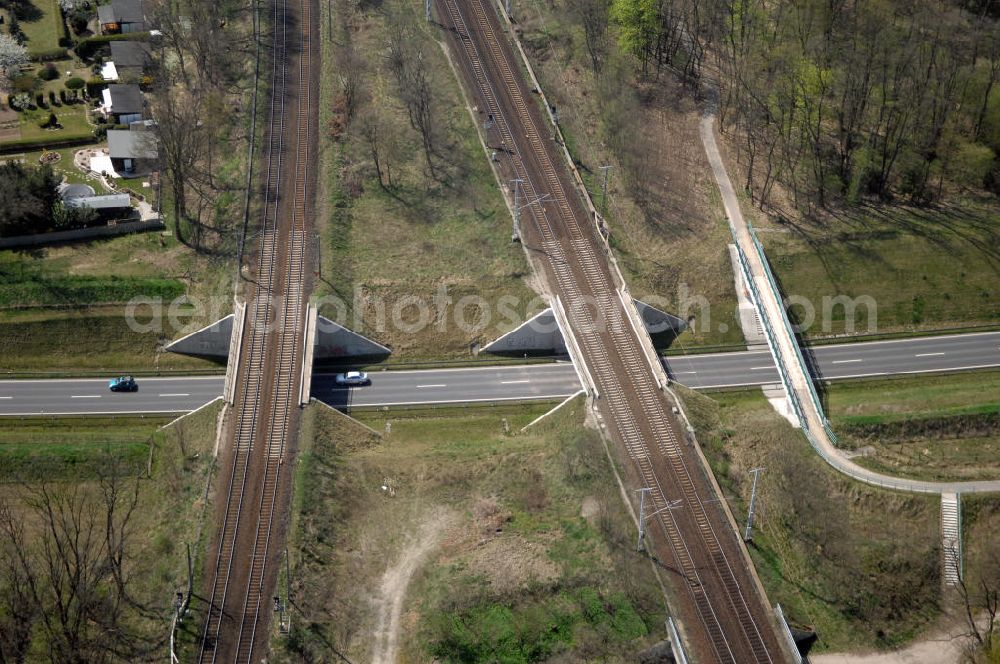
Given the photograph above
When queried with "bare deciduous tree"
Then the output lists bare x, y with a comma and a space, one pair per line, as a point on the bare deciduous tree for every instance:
406, 62
981, 606
64, 577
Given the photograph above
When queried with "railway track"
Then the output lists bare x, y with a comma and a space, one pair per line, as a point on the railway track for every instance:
271, 352
638, 411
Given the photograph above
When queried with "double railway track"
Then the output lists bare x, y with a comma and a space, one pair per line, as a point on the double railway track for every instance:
240, 576
733, 628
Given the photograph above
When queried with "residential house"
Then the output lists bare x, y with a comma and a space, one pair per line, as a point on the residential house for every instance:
123, 103
122, 17
111, 206
129, 60
133, 152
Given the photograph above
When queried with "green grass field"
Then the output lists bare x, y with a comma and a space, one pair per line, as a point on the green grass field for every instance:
41, 22
858, 564
938, 428
77, 448
73, 119
925, 269
47, 323
913, 396
532, 533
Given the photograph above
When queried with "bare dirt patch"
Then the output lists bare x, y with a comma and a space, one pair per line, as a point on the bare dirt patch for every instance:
396, 580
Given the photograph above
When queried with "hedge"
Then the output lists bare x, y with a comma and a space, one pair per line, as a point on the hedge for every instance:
31, 144
86, 48
48, 54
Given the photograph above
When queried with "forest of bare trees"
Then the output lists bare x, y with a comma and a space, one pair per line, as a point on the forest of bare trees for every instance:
836, 100
66, 586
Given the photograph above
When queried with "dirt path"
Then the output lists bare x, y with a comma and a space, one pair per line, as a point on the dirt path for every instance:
944, 645
396, 580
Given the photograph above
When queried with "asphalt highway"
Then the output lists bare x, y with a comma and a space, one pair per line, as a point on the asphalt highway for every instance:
509, 383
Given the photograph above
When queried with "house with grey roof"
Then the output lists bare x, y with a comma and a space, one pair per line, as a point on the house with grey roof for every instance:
130, 58
122, 17
133, 151
124, 103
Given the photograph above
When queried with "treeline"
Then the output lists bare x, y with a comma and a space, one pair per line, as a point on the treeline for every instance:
838, 100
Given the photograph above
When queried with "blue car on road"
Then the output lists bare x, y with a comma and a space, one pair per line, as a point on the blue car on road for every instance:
123, 384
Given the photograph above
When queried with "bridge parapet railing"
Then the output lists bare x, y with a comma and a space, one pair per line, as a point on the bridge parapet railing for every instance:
769, 334
810, 381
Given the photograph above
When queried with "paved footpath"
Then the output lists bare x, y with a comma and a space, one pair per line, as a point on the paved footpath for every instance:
771, 309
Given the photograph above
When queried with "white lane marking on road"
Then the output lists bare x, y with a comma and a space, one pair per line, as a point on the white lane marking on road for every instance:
685, 372
85, 396
927, 354
771, 367
845, 361
176, 394
6, 397
514, 382
435, 385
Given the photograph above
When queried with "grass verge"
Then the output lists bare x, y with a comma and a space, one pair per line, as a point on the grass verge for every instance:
73, 448
532, 554
922, 268
87, 340
935, 428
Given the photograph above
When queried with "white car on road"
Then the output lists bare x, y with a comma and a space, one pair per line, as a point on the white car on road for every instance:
352, 378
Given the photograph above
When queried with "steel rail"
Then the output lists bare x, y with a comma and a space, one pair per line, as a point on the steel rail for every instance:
251, 386
596, 279
291, 323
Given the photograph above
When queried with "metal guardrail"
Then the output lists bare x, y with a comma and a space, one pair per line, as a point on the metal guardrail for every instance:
791, 335
848, 469
787, 631
769, 333
675, 642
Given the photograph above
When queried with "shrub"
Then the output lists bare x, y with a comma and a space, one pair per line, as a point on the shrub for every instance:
86, 48
52, 98
78, 19
20, 101
95, 85
49, 72
51, 142
62, 97
40, 100
75, 83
